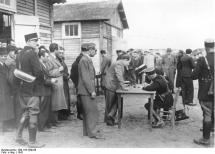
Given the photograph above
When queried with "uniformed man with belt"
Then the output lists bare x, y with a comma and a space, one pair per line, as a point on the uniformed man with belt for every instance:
163, 98
204, 72
28, 62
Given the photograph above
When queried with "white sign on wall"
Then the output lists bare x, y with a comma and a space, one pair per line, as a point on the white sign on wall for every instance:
25, 25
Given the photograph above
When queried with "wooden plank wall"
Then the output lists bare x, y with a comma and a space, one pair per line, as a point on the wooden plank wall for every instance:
72, 46
107, 38
90, 29
27, 7
43, 11
90, 32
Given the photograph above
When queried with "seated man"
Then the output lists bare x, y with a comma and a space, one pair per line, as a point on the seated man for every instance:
163, 98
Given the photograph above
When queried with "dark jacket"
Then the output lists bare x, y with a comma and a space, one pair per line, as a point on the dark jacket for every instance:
187, 65
45, 85
86, 80
30, 64
6, 104
179, 68
204, 76
160, 85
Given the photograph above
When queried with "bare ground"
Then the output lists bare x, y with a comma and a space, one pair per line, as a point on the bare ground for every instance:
134, 133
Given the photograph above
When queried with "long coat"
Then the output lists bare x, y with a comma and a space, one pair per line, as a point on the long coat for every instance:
187, 65
178, 67
65, 82
6, 104
58, 97
169, 67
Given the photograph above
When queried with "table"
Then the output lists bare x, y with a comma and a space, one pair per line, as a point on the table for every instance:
134, 91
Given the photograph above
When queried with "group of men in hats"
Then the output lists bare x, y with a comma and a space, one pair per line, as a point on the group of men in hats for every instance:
113, 75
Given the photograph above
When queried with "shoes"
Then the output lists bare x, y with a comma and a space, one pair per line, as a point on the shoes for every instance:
35, 145
21, 141
97, 136
80, 116
202, 141
181, 117
212, 129
159, 124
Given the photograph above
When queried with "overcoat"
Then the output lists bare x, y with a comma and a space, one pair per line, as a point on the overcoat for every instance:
6, 104
58, 96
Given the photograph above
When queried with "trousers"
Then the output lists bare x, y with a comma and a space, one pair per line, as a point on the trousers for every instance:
90, 115
110, 105
30, 108
208, 110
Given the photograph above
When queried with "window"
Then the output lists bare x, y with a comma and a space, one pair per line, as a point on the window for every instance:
71, 30
5, 27
6, 2
8, 5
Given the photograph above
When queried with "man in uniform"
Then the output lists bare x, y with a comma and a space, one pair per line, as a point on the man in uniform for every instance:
187, 64
204, 72
28, 62
86, 90
163, 98
169, 66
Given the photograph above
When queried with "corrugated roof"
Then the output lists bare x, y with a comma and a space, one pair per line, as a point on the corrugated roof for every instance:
89, 11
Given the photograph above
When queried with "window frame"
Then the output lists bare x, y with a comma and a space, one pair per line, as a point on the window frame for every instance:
71, 23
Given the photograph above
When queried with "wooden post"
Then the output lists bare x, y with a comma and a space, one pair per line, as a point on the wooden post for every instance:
151, 110
35, 7
52, 21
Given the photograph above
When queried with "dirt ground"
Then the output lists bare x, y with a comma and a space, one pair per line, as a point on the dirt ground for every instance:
134, 133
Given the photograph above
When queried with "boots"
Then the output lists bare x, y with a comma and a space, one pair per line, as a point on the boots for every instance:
20, 128
32, 139
206, 135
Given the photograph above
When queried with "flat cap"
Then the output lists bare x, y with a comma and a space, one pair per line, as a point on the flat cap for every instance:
188, 51
209, 43
150, 71
88, 46
168, 50
31, 36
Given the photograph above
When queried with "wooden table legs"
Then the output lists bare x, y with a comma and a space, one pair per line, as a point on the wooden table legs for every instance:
119, 110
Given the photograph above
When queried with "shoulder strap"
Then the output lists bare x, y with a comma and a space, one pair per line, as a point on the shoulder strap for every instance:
206, 61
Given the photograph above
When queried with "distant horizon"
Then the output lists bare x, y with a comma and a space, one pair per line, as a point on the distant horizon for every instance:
178, 24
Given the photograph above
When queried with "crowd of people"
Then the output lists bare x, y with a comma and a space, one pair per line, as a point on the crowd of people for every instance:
35, 93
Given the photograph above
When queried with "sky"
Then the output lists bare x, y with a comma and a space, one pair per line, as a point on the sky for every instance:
160, 24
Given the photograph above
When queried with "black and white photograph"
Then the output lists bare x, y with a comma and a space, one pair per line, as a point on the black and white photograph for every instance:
116, 74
